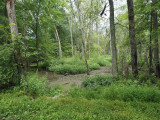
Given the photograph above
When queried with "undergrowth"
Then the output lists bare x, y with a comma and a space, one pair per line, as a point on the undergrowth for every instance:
113, 99
76, 66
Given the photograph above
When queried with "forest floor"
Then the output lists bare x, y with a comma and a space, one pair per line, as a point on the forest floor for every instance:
67, 81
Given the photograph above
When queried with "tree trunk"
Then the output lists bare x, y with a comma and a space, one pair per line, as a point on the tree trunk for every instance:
10, 5
89, 42
150, 46
113, 40
132, 38
146, 58
26, 61
155, 38
97, 38
83, 35
59, 44
37, 24
70, 24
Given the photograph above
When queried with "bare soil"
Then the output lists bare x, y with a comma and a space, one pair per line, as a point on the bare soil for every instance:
67, 81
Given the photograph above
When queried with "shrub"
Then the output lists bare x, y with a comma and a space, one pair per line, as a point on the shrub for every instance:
44, 65
147, 78
75, 65
38, 86
97, 81
66, 68
8, 69
158, 84
101, 60
94, 66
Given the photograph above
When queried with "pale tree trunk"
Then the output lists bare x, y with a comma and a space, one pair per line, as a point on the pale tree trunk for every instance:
155, 39
89, 42
70, 24
90, 32
132, 37
59, 43
10, 5
97, 37
83, 35
113, 40
82, 51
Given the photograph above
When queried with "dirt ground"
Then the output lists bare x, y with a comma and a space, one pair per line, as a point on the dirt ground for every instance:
67, 81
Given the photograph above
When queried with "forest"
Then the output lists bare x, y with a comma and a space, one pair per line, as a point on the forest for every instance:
79, 60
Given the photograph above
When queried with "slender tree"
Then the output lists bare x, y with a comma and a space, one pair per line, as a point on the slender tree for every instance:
37, 26
59, 43
132, 37
10, 6
81, 20
70, 25
155, 39
150, 46
113, 39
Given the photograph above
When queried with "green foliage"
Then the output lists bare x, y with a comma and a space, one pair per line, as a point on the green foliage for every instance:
37, 86
67, 68
44, 65
115, 101
70, 66
76, 66
94, 66
101, 60
147, 78
98, 81
22, 107
8, 69
120, 92
132, 93
158, 84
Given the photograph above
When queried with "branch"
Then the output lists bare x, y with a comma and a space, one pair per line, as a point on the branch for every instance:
121, 25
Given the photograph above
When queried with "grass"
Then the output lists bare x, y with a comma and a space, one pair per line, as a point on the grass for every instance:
20, 106
77, 66
113, 99
122, 93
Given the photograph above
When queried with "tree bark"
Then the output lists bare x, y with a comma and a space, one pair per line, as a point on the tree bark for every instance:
70, 24
97, 38
10, 6
132, 37
25, 59
150, 46
89, 42
59, 44
155, 39
37, 25
83, 35
113, 40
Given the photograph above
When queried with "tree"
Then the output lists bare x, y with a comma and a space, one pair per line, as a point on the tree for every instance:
70, 26
132, 37
113, 40
59, 43
10, 5
81, 20
155, 38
